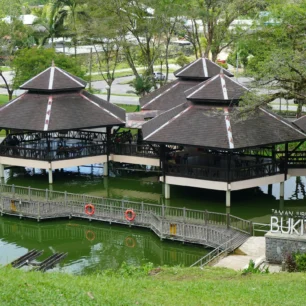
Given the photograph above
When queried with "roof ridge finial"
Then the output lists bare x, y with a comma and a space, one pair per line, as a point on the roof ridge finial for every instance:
52, 64
221, 70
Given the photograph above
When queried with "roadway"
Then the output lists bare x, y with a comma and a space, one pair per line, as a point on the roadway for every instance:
121, 91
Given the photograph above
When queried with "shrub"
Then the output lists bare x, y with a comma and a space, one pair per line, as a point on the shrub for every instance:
300, 260
182, 60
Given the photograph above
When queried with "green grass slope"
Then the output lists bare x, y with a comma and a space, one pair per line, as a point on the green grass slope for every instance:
170, 286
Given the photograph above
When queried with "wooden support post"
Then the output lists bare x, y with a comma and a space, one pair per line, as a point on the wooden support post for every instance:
281, 190
105, 169
228, 220
206, 217
167, 191
50, 176
270, 188
228, 198
286, 160
108, 150
184, 216
1, 170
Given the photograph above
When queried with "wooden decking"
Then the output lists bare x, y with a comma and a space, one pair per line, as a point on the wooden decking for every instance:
180, 224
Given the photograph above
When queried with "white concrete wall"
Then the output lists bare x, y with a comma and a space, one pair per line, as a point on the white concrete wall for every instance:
184, 181
134, 160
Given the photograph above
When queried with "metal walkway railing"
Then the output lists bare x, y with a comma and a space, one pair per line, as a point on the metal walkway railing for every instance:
182, 224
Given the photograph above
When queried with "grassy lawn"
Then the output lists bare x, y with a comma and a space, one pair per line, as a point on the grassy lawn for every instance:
129, 108
5, 68
165, 286
3, 99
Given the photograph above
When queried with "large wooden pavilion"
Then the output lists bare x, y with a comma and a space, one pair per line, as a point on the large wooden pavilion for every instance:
50, 126
217, 151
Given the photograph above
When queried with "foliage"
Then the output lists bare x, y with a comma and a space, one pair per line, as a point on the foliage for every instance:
29, 62
172, 286
142, 85
276, 47
255, 270
14, 36
300, 260
49, 25
182, 60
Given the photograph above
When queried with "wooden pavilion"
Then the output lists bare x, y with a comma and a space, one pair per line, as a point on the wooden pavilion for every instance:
217, 151
172, 94
50, 125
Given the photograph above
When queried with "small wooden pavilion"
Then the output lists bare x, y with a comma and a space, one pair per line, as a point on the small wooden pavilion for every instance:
172, 94
215, 150
50, 126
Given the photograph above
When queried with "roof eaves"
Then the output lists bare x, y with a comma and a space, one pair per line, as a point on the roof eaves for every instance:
201, 87
11, 102
168, 122
36, 76
70, 77
104, 109
188, 66
161, 94
281, 120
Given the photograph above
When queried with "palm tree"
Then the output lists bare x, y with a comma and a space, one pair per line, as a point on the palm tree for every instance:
50, 25
71, 11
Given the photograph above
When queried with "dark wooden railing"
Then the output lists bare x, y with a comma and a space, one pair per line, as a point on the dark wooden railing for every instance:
222, 174
98, 137
56, 154
296, 159
143, 150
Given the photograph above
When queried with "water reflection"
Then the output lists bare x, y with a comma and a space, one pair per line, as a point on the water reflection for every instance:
91, 247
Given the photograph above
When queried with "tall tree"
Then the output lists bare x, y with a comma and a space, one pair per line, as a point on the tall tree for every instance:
50, 25
29, 62
278, 63
217, 16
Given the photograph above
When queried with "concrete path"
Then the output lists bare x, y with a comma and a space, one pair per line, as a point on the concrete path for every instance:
253, 249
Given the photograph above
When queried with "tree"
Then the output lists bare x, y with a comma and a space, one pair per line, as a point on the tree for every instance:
216, 17
49, 25
104, 35
278, 62
142, 85
29, 62
72, 14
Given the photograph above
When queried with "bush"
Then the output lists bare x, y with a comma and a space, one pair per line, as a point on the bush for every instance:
300, 260
296, 262
182, 60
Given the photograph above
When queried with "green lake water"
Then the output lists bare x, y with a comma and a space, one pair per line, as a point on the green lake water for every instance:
94, 246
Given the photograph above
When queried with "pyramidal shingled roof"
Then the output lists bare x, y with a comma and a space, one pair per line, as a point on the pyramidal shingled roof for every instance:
202, 68
220, 88
54, 79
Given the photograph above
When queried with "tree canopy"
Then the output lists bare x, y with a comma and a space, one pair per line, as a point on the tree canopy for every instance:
29, 62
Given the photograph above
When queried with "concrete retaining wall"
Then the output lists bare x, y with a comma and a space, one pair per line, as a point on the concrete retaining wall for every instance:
278, 245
